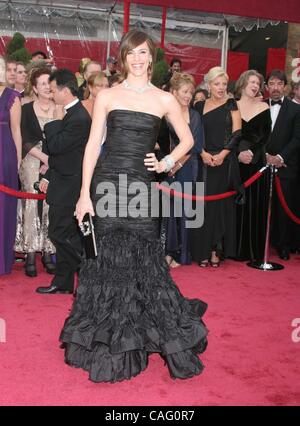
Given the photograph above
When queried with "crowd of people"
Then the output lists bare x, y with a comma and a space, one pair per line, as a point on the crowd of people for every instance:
235, 135
63, 135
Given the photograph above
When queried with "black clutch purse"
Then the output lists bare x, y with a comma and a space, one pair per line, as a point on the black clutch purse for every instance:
88, 234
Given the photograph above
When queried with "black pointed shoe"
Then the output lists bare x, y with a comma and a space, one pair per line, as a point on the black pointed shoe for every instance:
52, 289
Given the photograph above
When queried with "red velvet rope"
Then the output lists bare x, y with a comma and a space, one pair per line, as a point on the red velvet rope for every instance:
30, 196
217, 197
283, 202
19, 194
292, 216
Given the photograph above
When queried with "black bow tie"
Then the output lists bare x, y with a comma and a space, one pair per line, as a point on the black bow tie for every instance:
276, 102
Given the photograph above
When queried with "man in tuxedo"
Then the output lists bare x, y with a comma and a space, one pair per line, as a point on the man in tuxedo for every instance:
283, 152
66, 138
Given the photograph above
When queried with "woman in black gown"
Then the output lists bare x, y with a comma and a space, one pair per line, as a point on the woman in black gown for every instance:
222, 130
127, 305
256, 129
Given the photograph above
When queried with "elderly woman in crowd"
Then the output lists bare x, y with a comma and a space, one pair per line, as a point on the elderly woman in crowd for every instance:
256, 129
32, 235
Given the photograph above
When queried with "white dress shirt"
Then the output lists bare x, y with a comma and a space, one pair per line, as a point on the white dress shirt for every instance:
274, 110
71, 104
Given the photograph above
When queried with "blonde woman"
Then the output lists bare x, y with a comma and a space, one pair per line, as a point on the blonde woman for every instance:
10, 158
90, 67
95, 83
80, 72
222, 129
127, 305
256, 130
182, 86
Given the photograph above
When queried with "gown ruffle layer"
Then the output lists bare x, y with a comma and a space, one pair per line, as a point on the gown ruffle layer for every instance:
129, 308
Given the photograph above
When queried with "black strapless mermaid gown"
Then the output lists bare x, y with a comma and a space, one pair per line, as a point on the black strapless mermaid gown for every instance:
127, 304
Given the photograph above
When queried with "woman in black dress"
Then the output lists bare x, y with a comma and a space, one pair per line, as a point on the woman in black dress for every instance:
256, 129
222, 129
127, 305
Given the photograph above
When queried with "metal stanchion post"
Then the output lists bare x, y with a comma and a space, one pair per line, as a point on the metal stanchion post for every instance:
266, 265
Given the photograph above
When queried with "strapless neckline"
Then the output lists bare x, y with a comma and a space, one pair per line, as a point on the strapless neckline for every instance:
134, 112
256, 116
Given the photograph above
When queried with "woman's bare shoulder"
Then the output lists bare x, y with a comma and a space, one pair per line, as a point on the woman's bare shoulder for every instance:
262, 105
166, 98
105, 96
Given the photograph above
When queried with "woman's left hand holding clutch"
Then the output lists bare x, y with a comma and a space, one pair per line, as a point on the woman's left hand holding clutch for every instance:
83, 206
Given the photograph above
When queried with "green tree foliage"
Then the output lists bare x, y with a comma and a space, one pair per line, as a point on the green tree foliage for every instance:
161, 68
16, 49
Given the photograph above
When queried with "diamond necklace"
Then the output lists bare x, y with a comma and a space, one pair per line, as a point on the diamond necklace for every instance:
138, 89
46, 110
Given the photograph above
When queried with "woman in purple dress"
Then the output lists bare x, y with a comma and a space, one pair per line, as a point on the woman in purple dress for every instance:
10, 157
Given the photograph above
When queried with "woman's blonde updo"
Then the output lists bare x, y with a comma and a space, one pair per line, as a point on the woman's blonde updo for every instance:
214, 73
180, 79
92, 81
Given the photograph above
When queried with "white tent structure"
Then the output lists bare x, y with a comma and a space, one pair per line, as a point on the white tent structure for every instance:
94, 29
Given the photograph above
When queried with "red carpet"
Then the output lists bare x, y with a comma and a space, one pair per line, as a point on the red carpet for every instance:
251, 358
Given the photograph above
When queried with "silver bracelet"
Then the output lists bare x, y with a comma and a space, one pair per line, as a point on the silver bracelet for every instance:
170, 163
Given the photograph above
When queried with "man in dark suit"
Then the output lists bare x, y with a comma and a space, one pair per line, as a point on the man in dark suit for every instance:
283, 152
66, 138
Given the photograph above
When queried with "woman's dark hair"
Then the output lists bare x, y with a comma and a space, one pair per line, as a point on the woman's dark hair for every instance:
39, 52
65, 78
277, 74
175, 61
131, 40
37, 73
201, 90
